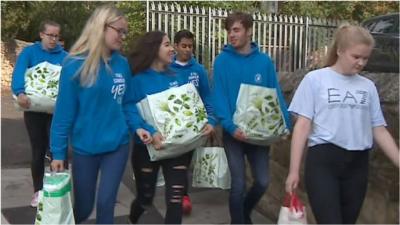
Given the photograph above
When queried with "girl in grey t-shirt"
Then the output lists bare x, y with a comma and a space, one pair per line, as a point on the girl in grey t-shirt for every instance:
339, 114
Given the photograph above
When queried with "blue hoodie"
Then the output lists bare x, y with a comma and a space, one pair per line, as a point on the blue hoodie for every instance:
146, 83
232, 69
31, 56
195, 73
94, 119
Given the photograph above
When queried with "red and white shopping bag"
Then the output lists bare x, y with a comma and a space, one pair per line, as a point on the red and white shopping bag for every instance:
292, 211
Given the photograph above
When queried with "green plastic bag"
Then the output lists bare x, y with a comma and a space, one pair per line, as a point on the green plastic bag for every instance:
179, 115
211, 168
41, 86
258, 115
55, 205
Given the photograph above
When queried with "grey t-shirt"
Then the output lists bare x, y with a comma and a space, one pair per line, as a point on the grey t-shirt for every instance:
343, 109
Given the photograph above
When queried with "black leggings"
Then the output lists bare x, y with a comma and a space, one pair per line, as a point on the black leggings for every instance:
38, 127
146, 171
336, 182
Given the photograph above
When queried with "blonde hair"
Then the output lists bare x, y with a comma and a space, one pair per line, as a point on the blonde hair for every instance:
91, 45
346, 36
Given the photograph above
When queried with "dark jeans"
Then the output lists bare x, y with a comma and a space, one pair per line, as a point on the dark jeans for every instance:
85, 172
38, 127
146, 171
188, 162
336, 183
242, 202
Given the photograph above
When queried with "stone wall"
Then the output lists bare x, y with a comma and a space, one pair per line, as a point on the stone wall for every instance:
381, 205
9, 52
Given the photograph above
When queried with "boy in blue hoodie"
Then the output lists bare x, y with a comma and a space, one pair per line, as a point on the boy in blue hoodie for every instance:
37, 123
189, 70
242, 62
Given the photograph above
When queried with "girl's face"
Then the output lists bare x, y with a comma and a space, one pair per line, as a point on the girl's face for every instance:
115, 33
353, 59
166, 51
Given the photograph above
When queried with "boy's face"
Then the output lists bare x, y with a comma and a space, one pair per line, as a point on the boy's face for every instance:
238, 36
184, 49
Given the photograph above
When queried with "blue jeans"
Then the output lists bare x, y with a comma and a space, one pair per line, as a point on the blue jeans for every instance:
242, 202
85, 170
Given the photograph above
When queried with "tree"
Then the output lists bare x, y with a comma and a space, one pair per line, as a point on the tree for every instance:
341, 10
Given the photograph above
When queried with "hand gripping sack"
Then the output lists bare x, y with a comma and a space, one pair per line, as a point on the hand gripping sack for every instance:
258, 115
55, 206
210, 168
41, 86
293, 211
179, 115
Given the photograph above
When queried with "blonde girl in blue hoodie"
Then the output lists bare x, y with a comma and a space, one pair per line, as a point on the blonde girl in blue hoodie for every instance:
91, 113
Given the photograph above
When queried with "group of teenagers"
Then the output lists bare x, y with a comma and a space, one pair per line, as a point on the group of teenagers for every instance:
336, 114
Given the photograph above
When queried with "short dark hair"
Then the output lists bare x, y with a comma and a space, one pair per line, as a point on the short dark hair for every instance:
183, 34
145, 51
42, 26
244, 18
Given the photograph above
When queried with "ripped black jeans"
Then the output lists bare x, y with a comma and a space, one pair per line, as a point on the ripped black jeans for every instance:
146, 171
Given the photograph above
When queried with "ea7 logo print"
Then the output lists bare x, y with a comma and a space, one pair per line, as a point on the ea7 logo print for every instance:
258, 78
347, 99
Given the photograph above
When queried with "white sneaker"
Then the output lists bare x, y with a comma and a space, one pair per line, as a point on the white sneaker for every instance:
35, 199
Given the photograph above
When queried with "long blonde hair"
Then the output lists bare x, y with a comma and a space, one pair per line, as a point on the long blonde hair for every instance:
345, 36
91, 45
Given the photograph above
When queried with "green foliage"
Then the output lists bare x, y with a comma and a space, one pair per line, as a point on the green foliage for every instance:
341, 10
135, 12
21, 19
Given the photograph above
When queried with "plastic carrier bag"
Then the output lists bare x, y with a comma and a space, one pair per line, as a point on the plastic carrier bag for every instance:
258, 115
179, 115
41, 86
293, 211
210, 168
55, 206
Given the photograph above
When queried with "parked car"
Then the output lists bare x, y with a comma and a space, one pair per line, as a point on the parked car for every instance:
385, 55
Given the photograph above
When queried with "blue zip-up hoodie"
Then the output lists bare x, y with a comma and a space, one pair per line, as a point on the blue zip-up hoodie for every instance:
232, 69
195, 73
31, 56
146, 83
94, 119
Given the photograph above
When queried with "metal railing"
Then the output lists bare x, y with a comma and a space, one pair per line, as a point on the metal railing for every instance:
293, 42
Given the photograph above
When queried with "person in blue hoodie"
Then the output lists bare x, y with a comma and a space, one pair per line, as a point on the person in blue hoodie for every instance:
92, 112
151, 60
241, 62
190, 71
37, 123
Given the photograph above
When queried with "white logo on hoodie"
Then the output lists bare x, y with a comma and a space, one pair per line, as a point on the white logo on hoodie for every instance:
118, 89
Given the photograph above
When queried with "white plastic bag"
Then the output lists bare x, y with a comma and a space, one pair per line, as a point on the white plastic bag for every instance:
41, 86
211, 168
55, 206
293, 211
179, 115
258, 115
